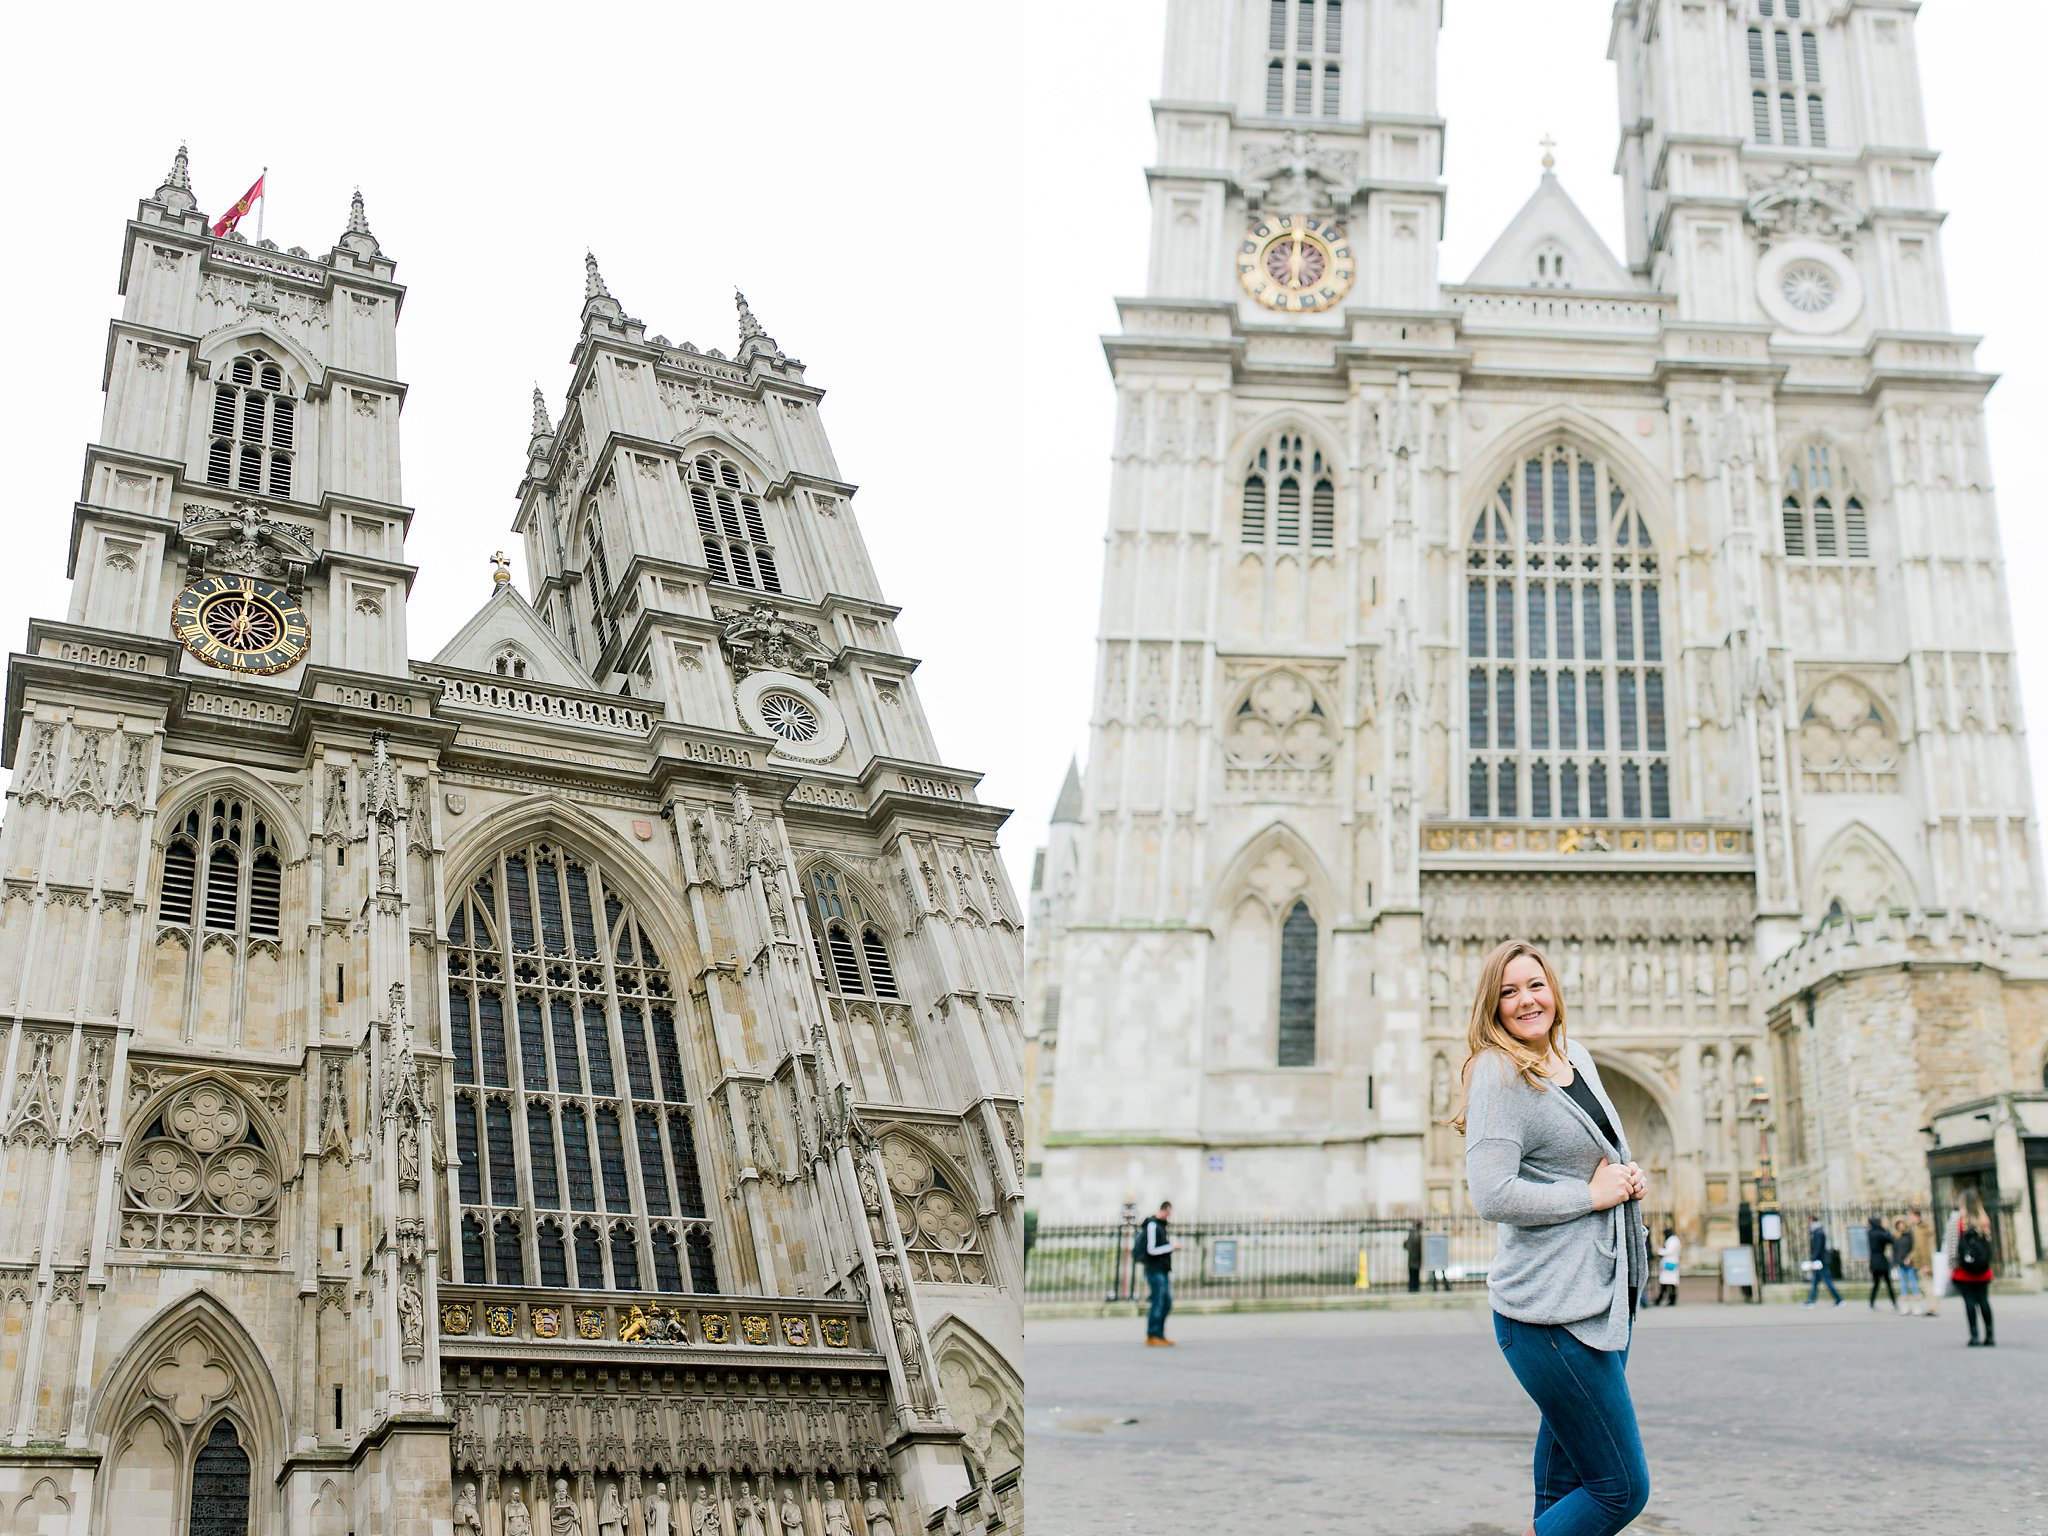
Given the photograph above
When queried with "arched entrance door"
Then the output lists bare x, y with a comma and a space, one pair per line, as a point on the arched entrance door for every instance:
1649, 1139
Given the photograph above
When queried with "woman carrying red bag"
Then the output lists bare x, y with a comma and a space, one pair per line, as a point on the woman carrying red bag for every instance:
1969, 1263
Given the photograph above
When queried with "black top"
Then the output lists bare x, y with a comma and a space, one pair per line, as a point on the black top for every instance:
1582, 1095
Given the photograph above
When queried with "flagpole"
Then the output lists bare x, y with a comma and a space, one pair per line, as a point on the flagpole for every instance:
262, 202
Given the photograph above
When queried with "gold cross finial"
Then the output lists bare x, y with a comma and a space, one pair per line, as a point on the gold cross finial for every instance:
1549, 159
503, 568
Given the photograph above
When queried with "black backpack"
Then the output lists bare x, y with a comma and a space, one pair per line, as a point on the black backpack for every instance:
1973, 1251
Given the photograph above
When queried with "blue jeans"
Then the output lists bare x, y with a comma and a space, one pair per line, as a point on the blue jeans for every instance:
1909, 1280
1591, 1478
1162, 1302
1822, 1277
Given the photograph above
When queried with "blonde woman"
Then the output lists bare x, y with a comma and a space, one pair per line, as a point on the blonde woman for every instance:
1545, 1157
1969, 1262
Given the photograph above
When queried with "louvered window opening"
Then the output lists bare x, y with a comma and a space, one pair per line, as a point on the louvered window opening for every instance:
571, 1096
1283, 476
1822, 517
1784, 63
1565, 713
852, 953
222, 871
253, 428
600, 574
1304, 39
732, 525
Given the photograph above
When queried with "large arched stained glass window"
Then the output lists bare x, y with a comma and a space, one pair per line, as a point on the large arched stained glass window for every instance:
1297, 1035
1564, 649
570, 1093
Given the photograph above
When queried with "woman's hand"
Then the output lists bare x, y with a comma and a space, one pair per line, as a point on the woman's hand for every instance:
1613, 1183
1642, 1184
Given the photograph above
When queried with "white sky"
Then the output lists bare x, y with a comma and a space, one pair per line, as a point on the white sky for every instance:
931, 205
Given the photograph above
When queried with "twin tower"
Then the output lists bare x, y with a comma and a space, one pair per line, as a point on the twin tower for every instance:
1644, 603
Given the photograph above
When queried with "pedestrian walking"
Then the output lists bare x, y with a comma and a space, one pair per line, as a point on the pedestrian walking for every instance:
1412, 1246
1911, 1301
1154, 1249
1923, 1260
1667, 1270
1880, 1263
1969, 1262
1817, 1263
1546, 1159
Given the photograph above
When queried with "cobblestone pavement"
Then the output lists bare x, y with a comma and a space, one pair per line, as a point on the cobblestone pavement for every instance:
1755, 1419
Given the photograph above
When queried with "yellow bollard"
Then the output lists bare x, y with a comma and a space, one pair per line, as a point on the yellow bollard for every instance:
1363, 1283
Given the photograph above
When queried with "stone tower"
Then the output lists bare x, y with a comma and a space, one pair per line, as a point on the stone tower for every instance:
579, 1071
1647, 605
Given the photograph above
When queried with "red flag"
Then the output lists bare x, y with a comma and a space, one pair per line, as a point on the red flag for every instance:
234, 215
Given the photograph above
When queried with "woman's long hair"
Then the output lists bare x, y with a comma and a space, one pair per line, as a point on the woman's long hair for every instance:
1486, 1033
1974, 1212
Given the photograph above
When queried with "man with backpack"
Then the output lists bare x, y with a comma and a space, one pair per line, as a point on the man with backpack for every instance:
1817, 1263
1153, 1248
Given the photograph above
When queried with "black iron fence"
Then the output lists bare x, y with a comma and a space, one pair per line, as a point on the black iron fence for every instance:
1257, 1259
1260, 1259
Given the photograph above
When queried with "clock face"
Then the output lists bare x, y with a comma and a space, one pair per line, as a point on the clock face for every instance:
1296, 262
241, 624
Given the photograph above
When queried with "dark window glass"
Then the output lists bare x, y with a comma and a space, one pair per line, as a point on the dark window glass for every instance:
1561, 499
1568, 789
220, 1485
1590, 611
1631, 792
1503, 618
703, 1266
611, 1162
554, 1260
653, 1171
1475, 617
568, 1069
682, 1147
1596, 712
1568, 710
519, 902
589, 1259
633, 1036
1507, 789
1475, 708
490, 1007
548, 890
1596, 790
625, 1259
597, 1042
1539, 628
459, 1036
1476, 786
1625, 703
510, 1261
540, 1155
473, 1251
668, 1263
498, 1144
1298, 988
1539, 789
1589, 513
579, 912
1660, 791
1653, 707
1539, 708
1504, 708
1563, 593
533, 1051
1624, 622
668, 1056
576, 1151
1653, 629
469, 1170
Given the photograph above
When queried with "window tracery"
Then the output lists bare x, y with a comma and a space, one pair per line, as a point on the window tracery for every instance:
851, 950
732, 525
1823, 518
222, 871
1284, 480
253, 427
201, 1178
1279, 740
550, 971
935, 1213
1565, 709
1845, 742
1787, 100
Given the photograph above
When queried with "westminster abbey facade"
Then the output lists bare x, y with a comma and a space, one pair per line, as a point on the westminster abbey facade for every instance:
1648, 604
569, 1084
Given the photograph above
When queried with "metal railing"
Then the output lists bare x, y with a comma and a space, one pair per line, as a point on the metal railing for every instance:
1259, 1258
1849, 1247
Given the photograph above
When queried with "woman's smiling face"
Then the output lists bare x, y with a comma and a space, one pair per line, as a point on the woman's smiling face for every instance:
1526, 1004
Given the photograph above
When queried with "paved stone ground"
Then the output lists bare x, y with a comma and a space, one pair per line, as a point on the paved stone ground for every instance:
1755, 1419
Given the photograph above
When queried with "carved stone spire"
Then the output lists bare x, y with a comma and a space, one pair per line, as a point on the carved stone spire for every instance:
176, 192
754, 339
597, 299
542, 427
357, 236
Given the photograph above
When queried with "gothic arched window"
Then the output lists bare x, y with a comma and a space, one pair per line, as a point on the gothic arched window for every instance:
1297, 1034
1823, 516
253, 427
221, 871
548, 964
851, 950
1785, 60
600, 573
1306, 52
220, 1484
731, 523
1285, 480
201, 1178
1564, 646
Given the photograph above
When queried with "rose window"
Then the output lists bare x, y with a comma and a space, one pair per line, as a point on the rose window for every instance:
201, 1179
938, 1223
1808, 287
789, 717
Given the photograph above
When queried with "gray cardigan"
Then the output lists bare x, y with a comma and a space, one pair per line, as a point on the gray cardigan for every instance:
1528, 1155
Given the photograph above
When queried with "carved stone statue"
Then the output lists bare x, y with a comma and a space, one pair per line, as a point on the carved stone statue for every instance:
408, 1154
1440, 1086
517, 1521
654, 1511
611, 1514
704, 1516
750, 1512
412, 1316
876, 1509
564, 1518
837, 1521
792, 1515
467, 1521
